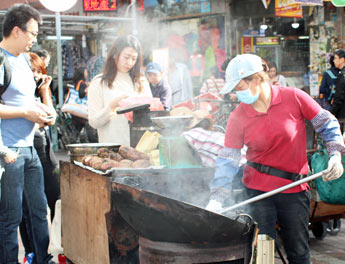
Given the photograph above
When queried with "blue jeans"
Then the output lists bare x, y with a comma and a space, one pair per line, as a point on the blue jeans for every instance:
291, 212
22, 190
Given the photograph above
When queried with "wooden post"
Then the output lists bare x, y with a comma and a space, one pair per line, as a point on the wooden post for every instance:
265, 250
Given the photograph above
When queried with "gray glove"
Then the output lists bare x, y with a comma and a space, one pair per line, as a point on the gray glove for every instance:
335, 168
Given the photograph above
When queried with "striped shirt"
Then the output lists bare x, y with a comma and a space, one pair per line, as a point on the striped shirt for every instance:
213, 86
207, 143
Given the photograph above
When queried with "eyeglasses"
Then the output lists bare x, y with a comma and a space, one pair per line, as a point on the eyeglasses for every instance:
34, 34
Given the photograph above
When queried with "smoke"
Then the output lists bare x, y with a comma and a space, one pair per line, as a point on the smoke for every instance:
190, 185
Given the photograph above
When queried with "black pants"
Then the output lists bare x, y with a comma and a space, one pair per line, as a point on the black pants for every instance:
51, 179
291, 212
91, 133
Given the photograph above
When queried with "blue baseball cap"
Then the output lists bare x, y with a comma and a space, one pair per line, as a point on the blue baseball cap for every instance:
241, 67
154, 67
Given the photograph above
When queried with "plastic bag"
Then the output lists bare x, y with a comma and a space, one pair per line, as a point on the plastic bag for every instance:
332, 192
75, 105
155, 104
55, 245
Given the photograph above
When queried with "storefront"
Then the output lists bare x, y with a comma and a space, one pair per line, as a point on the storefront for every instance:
326, 35
282, 40
299, 41
195, 34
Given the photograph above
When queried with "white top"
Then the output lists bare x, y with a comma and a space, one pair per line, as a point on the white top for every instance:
111, 127
281, 80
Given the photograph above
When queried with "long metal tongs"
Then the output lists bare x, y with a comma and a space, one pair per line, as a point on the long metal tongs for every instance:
270, 193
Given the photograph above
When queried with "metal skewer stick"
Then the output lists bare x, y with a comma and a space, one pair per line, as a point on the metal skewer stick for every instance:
270, 193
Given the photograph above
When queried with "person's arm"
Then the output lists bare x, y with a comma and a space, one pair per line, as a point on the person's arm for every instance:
7, 154
46, 98
3, 151
33, 114
100, 114
226, 168
166, 96
327, 125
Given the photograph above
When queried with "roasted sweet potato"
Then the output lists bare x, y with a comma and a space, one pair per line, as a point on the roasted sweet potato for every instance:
98, 164
132, 154
86, 160
116, 156
109, 165
126, 163
95, 160
100, 151
104, 154
142, 163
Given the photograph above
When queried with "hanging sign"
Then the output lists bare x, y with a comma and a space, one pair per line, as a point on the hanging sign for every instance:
99, 5
288, 8
267, 41
205, 6
247, 45
310, 2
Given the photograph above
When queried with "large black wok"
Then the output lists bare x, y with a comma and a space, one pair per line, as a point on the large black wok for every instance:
159, 218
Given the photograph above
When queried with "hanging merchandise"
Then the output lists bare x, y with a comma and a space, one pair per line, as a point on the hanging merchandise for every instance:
196, 65
190, 39
71, 58
204, 36
94, 66
210, 61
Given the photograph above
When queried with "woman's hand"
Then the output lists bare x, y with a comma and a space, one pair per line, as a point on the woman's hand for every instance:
44, 87
115, 102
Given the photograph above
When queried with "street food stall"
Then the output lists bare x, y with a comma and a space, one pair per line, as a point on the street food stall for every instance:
119, 206
158, 210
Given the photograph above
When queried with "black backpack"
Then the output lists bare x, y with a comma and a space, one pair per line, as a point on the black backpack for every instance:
7, 73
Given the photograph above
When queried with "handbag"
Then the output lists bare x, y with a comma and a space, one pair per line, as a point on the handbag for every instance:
332, 192
74, 104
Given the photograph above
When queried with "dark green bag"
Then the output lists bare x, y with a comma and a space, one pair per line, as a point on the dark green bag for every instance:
332, 192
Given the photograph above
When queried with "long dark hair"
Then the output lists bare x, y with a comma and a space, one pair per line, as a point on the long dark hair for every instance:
110, 67
79, 74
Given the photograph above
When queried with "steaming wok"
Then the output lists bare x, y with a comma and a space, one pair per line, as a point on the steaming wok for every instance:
164, 219
172, 122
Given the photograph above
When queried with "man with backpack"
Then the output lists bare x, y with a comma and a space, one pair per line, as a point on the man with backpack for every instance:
338, 106
22, 187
